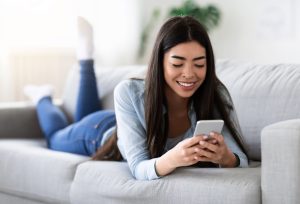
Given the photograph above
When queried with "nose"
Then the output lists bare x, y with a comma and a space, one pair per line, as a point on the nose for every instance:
188, 72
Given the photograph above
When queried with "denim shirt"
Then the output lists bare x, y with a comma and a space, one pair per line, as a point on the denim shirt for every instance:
130, 115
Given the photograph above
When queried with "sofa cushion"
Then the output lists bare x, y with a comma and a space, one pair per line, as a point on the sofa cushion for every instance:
262, 94
112, 182
12, 199
28, 169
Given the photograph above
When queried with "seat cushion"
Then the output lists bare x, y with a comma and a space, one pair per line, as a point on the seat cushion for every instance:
13, 199
28, 169
112, 182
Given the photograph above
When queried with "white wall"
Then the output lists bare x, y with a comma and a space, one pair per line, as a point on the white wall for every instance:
263, 31
248, 30
52, 23
36, 23
46, 29
117, 29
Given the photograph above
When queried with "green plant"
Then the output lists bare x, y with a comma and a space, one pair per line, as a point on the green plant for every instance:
208, 15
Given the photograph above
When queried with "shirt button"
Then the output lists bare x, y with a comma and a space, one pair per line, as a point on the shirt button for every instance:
93, 142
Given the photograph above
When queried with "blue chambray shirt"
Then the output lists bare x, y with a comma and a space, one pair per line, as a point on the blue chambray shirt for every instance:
130, 115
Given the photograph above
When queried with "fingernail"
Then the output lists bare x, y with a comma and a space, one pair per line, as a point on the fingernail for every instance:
201, 142
211, 134
205, 137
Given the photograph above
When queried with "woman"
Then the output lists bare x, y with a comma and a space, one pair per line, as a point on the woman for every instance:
156, 117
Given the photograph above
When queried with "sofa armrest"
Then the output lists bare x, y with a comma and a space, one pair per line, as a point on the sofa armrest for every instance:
280, 162
19, 120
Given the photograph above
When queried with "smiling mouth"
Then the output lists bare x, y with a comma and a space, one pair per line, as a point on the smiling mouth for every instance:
186, 84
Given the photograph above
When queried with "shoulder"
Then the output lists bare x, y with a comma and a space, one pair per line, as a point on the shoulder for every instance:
132, 88
131, 85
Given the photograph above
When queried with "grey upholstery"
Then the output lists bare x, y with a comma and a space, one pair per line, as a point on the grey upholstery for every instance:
115, 184
30, 170
281, 163
14, 199
263, 94
15, 118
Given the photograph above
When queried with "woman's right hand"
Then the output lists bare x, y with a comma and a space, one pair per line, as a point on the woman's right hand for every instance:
185, 153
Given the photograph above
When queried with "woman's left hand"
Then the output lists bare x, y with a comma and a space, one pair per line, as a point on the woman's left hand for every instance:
216, 152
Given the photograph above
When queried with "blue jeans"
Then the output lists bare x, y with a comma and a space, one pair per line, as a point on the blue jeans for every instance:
85, 134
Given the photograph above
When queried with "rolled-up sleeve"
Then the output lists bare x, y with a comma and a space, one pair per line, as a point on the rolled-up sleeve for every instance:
131, 131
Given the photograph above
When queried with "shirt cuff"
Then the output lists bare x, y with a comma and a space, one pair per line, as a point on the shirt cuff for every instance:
243, 161
238, 161
152, 174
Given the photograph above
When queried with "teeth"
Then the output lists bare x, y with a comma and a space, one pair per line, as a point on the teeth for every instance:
185, 84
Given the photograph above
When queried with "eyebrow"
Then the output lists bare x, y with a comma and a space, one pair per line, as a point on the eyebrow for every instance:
183, 58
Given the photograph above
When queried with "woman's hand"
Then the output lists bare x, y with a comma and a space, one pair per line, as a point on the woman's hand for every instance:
195, 149
216, 152
185, 153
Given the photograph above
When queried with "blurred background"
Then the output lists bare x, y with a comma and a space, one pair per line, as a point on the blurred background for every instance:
38, 37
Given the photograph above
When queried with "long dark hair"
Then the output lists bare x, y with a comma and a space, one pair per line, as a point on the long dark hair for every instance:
211, 95
208, 96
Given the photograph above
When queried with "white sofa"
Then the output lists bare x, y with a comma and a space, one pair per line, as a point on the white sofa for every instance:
267, 100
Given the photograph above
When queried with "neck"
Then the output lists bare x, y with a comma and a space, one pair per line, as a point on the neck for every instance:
176, 104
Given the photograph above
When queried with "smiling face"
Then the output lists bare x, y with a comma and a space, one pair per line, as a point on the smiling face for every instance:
184, 69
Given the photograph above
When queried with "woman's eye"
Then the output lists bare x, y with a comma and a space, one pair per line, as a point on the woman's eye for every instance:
199, 65
177, 65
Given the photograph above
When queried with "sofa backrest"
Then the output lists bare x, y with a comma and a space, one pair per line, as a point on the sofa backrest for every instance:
107, 79
262, 94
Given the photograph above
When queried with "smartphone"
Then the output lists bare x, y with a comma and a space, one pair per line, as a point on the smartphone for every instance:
207, 126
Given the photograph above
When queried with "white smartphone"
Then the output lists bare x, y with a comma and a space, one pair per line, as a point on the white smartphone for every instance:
207, 126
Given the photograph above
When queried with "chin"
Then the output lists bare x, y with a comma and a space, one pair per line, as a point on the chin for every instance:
185, 95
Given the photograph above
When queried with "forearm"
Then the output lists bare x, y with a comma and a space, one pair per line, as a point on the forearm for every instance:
163, 166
